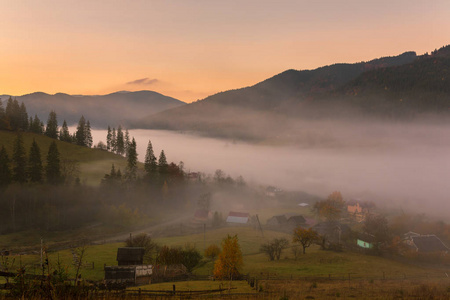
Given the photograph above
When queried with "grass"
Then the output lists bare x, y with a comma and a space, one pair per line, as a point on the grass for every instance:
315, 262
236, 286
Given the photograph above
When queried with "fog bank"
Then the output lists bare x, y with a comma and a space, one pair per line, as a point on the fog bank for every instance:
405, 164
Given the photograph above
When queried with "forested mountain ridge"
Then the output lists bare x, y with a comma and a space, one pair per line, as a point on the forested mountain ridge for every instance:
340, 90
119, 107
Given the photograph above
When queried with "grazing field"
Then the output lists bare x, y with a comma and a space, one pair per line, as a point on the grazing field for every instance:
315, 263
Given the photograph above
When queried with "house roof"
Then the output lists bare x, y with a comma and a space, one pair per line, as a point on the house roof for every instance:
201, 214
297, 220
429, 243
237, 217
368, 238
331, 228
130, 254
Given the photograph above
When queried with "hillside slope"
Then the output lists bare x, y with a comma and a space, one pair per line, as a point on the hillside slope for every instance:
90, 165
120, 107
249, 112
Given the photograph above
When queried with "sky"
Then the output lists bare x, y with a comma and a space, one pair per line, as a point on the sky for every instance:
189, 49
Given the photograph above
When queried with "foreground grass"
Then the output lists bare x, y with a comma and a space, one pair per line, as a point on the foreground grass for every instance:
315, 263
234, 286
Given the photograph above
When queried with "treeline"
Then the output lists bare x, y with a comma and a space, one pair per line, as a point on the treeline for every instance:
15, 118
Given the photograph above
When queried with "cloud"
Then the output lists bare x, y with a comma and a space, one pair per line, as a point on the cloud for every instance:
144, 81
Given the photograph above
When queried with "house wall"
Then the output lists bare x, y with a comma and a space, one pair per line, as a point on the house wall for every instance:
364, 244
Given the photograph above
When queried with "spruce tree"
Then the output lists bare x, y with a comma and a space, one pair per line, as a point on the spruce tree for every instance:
35, 125
52, 169
19, 161
13, 113
114, 141
108, 139
162, 163
80, 135
88, 135
5, 169
4, 124
150, 164
132, 161
127, 141
35, 163
23, 117
120, 144
64, 134
52, 126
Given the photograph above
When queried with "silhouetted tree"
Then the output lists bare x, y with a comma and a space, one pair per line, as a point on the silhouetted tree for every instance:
35, 163
114, 141
80, 135
150, 164
132, 161
64, 134
36, 125
23, 117
52, 169
4, 124
120, 143
88, 135
108, 139
13, 113
5, 169
52, 126
19, 161
127, 141
162, 163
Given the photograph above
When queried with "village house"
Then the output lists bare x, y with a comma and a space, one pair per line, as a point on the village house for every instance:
425, 243
277, 221
357, 211
365, 240
237, 218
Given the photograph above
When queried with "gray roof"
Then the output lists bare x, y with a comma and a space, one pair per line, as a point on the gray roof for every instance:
130, 254
429, 243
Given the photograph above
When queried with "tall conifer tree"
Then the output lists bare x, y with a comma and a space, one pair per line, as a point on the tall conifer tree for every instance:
53, 168
108, 139
52, 126
64, 134
88, 135
80, 135
5, 169
132, 161
19, 161
120, 143
150, 164
35, 163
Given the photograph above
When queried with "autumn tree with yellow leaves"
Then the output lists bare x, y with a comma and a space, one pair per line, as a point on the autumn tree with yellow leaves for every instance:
305, 237
332, 208
230, 261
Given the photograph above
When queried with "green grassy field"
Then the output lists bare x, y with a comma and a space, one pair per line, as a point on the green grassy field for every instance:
93, 164
315, 262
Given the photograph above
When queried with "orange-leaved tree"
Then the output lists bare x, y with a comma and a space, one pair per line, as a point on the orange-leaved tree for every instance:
331, 208
230, 259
